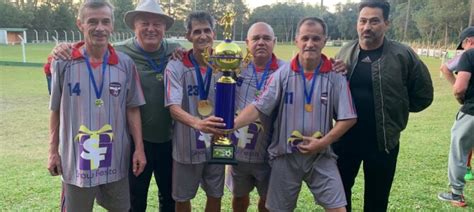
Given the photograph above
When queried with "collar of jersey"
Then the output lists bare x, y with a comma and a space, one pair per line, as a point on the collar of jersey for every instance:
273, 66
325, 68
77, 53
186, 60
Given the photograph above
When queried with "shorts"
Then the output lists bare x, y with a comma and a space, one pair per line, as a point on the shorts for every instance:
113, 196
241, 179
318, 171
188, 177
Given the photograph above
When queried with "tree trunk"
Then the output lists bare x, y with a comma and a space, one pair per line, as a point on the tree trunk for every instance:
407, 18
471, 17
446, 35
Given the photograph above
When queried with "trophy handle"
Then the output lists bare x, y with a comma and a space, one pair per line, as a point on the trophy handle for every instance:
248, 58
207, 57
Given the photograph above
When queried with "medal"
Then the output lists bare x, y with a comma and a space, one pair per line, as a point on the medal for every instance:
158, 69
259, 84
308, 107
159, 77
98, 91
204, 108
99, 102
257, 93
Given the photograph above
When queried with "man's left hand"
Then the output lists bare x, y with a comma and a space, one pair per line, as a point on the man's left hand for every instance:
312, 145
339, 66
139, 162
178, 54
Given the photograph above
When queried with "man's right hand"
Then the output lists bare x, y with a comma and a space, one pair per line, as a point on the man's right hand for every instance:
211, 125
62, 51
54, 164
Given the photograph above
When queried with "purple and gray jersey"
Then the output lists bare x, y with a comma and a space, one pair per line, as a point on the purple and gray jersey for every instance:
94, 141
190, 146
452, 64
284, 91
252, 141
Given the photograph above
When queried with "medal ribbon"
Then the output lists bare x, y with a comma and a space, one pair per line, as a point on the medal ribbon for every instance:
309, 95
98, 92
157, 68
203, 91
260, 83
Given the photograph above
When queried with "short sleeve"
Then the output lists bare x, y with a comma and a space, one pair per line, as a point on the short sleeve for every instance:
466, 62
135, 96
173, 84
56, 85
343, 104
271, 93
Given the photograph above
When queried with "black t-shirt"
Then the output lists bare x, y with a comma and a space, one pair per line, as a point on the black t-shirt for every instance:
466, 63
362, 137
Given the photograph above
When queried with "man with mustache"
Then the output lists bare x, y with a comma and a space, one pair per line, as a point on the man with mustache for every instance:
150, 52
306, 96
189, 86
387, 81
252, 141
95, 99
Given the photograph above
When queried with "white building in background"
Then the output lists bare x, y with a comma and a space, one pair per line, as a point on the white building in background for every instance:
12, 35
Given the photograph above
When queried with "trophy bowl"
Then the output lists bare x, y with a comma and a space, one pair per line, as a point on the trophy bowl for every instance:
227, 56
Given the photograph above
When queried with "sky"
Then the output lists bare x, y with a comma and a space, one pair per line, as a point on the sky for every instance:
328, 3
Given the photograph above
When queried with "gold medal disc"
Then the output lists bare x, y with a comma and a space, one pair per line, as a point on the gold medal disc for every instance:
257, 93
308, 107
159, 77
204, 108
99, 102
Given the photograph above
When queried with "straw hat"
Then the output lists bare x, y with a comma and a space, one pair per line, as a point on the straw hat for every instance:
147, 6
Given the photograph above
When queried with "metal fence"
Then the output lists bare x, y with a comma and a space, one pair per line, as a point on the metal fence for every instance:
48, 36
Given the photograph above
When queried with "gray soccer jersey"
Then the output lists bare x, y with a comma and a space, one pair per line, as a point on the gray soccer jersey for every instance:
330, 100
252, 141
190, 146
94, 141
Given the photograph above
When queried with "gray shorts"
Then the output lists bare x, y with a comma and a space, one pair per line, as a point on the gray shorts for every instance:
113, 196
241, 179
187, 177
320, 174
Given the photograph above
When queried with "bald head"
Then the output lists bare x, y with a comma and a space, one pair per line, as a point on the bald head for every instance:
259, 26
261, 41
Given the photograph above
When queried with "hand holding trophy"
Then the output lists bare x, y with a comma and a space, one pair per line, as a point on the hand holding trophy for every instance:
227, 59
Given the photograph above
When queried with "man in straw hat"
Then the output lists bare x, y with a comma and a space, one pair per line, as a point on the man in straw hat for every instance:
93, 96
150, 52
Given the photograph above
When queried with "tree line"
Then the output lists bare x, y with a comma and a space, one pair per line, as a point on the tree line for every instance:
433, 22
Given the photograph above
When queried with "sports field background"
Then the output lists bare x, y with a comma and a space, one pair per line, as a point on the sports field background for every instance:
25, 184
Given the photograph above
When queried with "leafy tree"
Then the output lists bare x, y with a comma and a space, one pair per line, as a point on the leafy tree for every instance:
346, 20
121, 7
42, 17
12, 17
63, 17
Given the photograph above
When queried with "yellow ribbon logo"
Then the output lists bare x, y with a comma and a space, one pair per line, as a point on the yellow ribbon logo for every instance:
296, 137
94, 153
83, 130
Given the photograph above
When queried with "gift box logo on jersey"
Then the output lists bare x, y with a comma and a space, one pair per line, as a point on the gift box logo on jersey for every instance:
114, 88
246, 137
203, 140
95, 147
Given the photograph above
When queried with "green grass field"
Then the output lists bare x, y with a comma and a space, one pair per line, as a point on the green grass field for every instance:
25, 183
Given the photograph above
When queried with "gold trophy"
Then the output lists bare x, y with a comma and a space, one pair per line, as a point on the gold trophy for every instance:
226, 58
